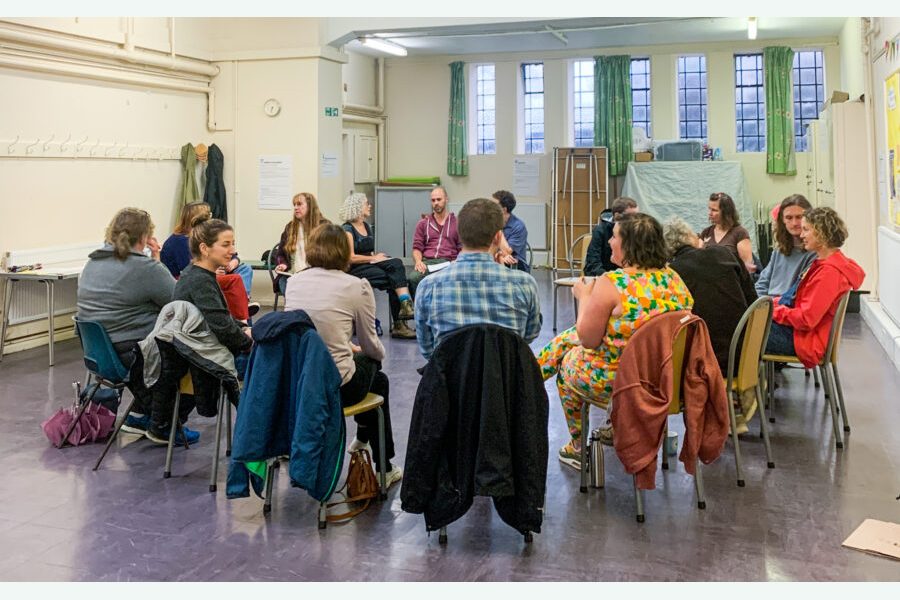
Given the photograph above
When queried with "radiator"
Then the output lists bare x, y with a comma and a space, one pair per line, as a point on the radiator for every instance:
29, 298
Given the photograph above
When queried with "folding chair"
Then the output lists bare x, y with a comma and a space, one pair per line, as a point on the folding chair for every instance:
569, 282
828, 369
102, 363
270, 268
370, 402
753, 328
675, 407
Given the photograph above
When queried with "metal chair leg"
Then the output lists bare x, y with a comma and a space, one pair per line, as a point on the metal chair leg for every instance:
555, 301
173, 427
840, 396
665, 455
115, 433
585, 422
832, 404
764, 426
698, 484
228, 434
214, 471
816, 377
323, 515
270, 485
382, 461
638, 501
770, 389
442, 536
734, 438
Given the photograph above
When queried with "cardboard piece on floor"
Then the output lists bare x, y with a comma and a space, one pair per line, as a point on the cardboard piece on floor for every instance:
876, 537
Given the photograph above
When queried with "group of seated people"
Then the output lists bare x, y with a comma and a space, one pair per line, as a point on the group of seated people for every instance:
639, 271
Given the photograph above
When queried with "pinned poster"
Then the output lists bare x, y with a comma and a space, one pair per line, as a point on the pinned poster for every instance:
328, 165
276, 180
526, 175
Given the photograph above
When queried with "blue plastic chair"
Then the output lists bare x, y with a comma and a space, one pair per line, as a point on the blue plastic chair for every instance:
102, 363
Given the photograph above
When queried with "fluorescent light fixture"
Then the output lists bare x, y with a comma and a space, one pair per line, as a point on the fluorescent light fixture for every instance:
751, 28
386, 46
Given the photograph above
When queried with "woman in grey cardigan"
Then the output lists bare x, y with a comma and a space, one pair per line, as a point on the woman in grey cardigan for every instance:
124, 289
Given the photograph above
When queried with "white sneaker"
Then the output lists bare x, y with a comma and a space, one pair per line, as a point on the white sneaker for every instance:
358, 445
392, 476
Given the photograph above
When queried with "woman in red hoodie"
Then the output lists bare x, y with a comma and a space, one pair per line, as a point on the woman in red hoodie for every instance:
802, 317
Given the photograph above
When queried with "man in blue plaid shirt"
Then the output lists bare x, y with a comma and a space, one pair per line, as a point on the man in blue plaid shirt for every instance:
475, 289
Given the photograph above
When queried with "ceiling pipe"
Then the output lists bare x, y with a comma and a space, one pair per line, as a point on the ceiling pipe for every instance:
378, 109
868, 35
42, 65
128, 53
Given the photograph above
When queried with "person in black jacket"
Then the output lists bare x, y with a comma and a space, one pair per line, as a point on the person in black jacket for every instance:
212, 246
717, 280
599, 255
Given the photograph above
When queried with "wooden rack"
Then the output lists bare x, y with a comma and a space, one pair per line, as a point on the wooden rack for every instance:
580, 183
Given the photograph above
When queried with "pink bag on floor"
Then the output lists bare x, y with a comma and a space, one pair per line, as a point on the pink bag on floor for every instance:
96, 423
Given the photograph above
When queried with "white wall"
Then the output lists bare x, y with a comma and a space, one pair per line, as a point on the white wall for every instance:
417, 99
852, 63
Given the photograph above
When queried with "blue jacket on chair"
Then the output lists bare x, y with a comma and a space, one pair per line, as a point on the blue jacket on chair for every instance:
290, 406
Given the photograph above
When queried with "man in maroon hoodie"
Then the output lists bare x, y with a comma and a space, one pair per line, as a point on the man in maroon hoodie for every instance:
802, 317
436, 239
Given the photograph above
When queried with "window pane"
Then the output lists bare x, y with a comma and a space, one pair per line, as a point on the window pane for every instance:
533, 87
692, 96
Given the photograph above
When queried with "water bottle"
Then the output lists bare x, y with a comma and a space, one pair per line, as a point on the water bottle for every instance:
717, 155
598, 475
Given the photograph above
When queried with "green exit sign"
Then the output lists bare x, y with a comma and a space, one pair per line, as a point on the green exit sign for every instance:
332, 111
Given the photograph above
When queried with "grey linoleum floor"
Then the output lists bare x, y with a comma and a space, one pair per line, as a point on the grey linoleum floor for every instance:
61, 521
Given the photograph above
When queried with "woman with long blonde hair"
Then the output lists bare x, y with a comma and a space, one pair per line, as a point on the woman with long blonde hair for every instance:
291, 254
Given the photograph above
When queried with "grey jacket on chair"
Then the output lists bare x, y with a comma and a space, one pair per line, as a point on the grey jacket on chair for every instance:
181, 324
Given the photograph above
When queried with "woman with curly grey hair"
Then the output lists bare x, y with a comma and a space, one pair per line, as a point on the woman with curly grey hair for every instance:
382, 271
717, 280
802, 317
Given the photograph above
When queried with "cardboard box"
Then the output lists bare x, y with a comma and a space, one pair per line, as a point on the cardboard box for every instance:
643, 156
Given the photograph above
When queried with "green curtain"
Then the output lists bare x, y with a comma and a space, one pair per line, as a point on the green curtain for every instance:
457, 156
778, 62
612, 110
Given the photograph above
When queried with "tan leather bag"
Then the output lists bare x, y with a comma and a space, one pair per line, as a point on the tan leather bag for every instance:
361, 486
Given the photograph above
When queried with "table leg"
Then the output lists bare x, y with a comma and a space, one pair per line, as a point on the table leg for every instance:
50, 311
6, 301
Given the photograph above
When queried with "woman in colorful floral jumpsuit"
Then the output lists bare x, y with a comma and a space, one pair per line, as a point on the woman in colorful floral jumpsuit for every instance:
611, 308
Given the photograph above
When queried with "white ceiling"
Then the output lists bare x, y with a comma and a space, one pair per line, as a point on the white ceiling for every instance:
523, 35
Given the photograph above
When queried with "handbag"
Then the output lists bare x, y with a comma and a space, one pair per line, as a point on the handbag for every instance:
96, 422
361, 486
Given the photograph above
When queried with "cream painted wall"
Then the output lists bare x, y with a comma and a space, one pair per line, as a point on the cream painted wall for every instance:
56, 201
329, 193
417, 97
852, 61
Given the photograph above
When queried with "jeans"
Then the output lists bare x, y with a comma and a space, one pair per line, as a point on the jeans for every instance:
246, 273
781, 340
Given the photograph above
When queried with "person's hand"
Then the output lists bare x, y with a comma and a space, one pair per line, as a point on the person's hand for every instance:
280, 268
421, 267
221, 271
248, 332
751, 267
356, 349
509, 260
155, 248
583, 288
379, 257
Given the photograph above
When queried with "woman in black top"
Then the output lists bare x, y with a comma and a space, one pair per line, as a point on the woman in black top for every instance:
212, 247
383, 272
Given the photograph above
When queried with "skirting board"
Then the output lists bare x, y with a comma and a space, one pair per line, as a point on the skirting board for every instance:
883, 327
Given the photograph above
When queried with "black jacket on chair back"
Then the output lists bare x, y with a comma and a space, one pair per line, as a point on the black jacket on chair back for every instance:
479, 428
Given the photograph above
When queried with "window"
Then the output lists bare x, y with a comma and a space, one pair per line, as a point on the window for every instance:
485, 116
533, 94
809, 92
640, 93
583, 98
692, 97
749, 103
583, 105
